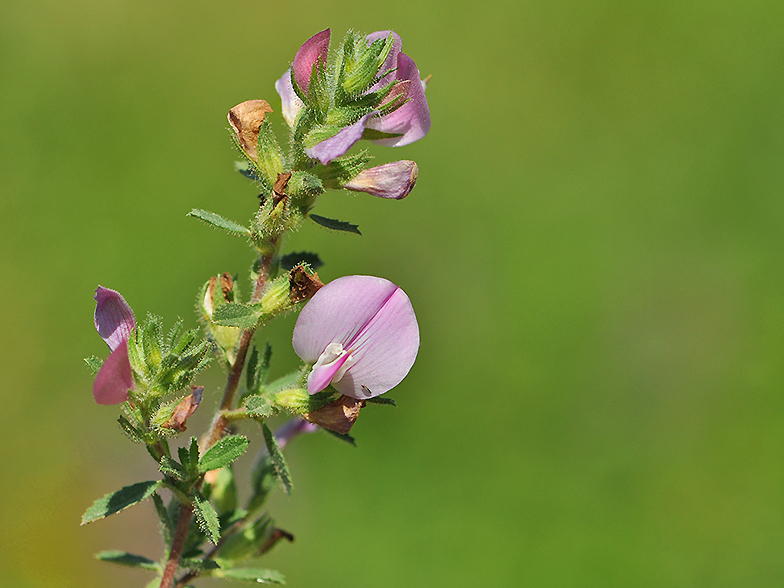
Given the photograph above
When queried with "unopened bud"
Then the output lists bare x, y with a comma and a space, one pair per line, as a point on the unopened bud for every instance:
390, 180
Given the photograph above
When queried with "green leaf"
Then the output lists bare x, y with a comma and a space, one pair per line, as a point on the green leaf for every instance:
335, 225
259, 407
278, 461
236, 314
131, 432
196, 564
343, 437
206, 517
167, 528
379, 400
250, 575
223, 453
290, 260
219, 222
123, 558
189, 456
171, 468
116, 501
94, 363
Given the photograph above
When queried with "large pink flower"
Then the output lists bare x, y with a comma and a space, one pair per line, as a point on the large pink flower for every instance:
114, 321
361, 334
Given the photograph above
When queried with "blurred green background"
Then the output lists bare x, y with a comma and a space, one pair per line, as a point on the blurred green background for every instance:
593, 249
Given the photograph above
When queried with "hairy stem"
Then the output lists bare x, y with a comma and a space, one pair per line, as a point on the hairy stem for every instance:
178, 542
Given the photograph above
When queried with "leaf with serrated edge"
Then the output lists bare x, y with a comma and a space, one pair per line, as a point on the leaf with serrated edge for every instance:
167, 528
219, 222
206, 517
123, 558
223, 453
335, 225
289, 260
249, 575
278, 461
114, 502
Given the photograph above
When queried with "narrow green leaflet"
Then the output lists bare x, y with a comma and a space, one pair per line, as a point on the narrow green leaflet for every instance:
278, 461
197, 564
335, 225
343, 437
116, 501
167, 527
206, 517
236, 314
123, 558
379, 400
260, 576
219, 222
223, 453
130, 431
171, 468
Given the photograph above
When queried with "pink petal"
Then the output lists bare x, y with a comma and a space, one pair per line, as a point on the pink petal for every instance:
338, 145
290, 104
390, 180
384, 351
114, 319
312, 50
373, 317
115, 378
322, 375
412, 120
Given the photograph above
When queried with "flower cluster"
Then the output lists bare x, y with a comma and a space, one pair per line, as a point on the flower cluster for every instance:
357, 336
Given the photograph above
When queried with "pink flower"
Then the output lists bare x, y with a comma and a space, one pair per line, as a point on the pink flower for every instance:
390, 180
361, 334
410, 122
114, 321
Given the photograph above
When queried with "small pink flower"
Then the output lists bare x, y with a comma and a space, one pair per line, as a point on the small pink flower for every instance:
390, 180
114, 321
411, 121
361, 334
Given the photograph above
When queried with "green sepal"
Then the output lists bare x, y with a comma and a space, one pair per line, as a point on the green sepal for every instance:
374, 135
299, 401
343, 437
251, 575
123, 558
170, 467
94, 363
379, 400
123, 498
341, 170
335, 225
223, 453
291, 260
244, 544
361, 63
278, 461
259, 407
270, 157
206, 517
237, 314
219, 222
167, 527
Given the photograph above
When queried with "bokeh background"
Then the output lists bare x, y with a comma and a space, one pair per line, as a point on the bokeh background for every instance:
594, 251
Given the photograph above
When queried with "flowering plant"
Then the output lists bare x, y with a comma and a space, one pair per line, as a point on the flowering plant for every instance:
357, 335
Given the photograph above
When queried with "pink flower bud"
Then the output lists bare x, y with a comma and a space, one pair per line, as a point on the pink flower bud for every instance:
114, 321
391, 180
313, 50
361, 334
